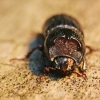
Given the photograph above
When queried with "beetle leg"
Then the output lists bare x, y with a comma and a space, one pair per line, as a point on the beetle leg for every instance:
84, 64
81, 75
78, 75
47, 69
91, 49
82, 70
40, 47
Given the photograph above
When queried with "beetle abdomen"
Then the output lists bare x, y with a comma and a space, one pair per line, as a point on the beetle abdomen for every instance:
60, 21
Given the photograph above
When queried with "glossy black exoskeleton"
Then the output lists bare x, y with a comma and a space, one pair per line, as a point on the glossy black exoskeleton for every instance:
64, 45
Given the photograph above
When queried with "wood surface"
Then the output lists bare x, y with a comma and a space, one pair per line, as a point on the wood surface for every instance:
20, 22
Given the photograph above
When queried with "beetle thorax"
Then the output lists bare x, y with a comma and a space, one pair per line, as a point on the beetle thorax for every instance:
64, 46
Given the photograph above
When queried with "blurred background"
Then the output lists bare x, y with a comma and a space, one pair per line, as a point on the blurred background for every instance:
21, 20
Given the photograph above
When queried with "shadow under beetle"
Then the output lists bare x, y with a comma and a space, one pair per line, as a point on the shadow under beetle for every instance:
64, 45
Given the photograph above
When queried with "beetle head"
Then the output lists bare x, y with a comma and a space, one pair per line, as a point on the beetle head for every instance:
64, 63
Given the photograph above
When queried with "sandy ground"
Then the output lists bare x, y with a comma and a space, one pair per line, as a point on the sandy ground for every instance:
20, 21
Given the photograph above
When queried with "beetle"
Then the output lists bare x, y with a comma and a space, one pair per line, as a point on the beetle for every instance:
63, 45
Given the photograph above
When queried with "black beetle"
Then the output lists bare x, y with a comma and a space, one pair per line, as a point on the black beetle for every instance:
64, 45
